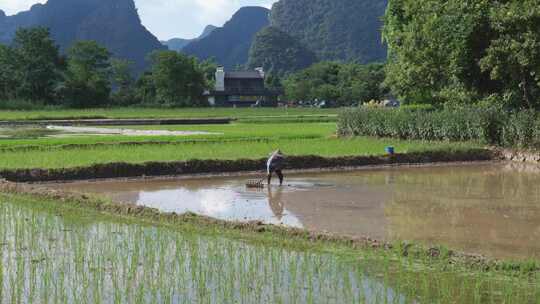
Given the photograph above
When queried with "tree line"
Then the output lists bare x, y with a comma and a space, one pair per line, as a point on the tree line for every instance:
33, 70
462, 52
441, 52
342, 84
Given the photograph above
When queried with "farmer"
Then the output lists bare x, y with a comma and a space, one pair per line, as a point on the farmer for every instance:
275, 164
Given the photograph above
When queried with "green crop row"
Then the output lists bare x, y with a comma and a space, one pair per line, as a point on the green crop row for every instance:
102, 154
123, 113
485, 125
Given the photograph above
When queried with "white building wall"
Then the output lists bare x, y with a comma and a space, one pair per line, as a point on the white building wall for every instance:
220, 79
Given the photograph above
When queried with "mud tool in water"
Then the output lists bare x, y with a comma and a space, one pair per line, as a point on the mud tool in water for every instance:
255, 183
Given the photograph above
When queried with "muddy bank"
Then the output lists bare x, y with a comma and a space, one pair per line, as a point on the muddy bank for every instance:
519, 155
156, 169
425, 255
118, 122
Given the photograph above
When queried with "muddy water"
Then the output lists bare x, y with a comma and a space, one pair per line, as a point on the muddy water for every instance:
492, 209
64, 130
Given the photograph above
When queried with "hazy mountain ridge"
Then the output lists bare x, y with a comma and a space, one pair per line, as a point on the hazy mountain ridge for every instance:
344, 30
177, 44
113, 23
230, 44
279, 53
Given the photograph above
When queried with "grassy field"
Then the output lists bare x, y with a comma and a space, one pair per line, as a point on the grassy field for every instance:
244, 113
235, 131
232, 141
63, 158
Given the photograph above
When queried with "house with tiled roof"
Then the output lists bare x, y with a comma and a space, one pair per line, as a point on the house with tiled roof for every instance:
241, 89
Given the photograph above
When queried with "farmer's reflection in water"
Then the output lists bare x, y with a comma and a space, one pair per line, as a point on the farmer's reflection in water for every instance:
275, 201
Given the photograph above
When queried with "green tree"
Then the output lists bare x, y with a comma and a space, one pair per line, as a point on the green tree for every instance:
344, 83
8, 81
513, 57
123, 82
178, 79
36, 64
208, 67
363, 82
145, 89
88, 75
463, 51
274, 83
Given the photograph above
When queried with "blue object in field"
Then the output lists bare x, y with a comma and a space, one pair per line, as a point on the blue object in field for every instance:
390, 150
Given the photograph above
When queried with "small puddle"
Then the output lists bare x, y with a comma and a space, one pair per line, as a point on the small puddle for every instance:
492, 209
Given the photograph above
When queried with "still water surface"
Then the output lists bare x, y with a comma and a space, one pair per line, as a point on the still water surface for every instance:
492, 209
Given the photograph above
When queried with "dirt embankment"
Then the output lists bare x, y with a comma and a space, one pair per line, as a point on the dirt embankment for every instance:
156, 169
519, 155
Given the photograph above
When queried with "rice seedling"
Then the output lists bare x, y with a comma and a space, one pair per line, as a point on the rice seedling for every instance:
98, 259
215, 150
222, 133
132, 112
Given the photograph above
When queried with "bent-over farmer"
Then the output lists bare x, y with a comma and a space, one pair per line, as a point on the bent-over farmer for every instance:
275, 163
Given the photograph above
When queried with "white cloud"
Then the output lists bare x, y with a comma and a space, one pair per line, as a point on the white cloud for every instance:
169, 18
13, 6
187, 18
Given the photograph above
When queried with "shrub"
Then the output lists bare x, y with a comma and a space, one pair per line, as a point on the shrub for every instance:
519, 131
21, 104
488, 125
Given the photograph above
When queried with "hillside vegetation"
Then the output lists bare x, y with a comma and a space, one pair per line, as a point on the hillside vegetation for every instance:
113, 24
279, 53
345, 30
229, 45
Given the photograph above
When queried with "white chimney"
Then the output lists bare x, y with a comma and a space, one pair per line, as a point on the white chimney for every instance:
220, 79
261, 71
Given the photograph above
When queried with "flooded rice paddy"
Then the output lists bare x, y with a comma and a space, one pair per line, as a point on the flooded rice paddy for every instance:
79, 130
55, 131
51, 259
49, 256
491, 209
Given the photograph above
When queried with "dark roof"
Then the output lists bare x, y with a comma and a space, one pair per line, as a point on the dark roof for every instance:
243, 75
250, 92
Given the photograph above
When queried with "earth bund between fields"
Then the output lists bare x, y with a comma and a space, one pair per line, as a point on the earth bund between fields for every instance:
158, 169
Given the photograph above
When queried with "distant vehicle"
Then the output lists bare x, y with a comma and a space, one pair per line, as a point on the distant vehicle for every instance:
392, 103
326, 104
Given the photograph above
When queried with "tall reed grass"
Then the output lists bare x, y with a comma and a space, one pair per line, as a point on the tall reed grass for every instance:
486, 125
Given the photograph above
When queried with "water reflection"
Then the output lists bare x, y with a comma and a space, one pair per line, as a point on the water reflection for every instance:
493, 209
228, 203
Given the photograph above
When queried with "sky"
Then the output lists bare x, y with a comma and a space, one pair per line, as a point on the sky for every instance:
169, 18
